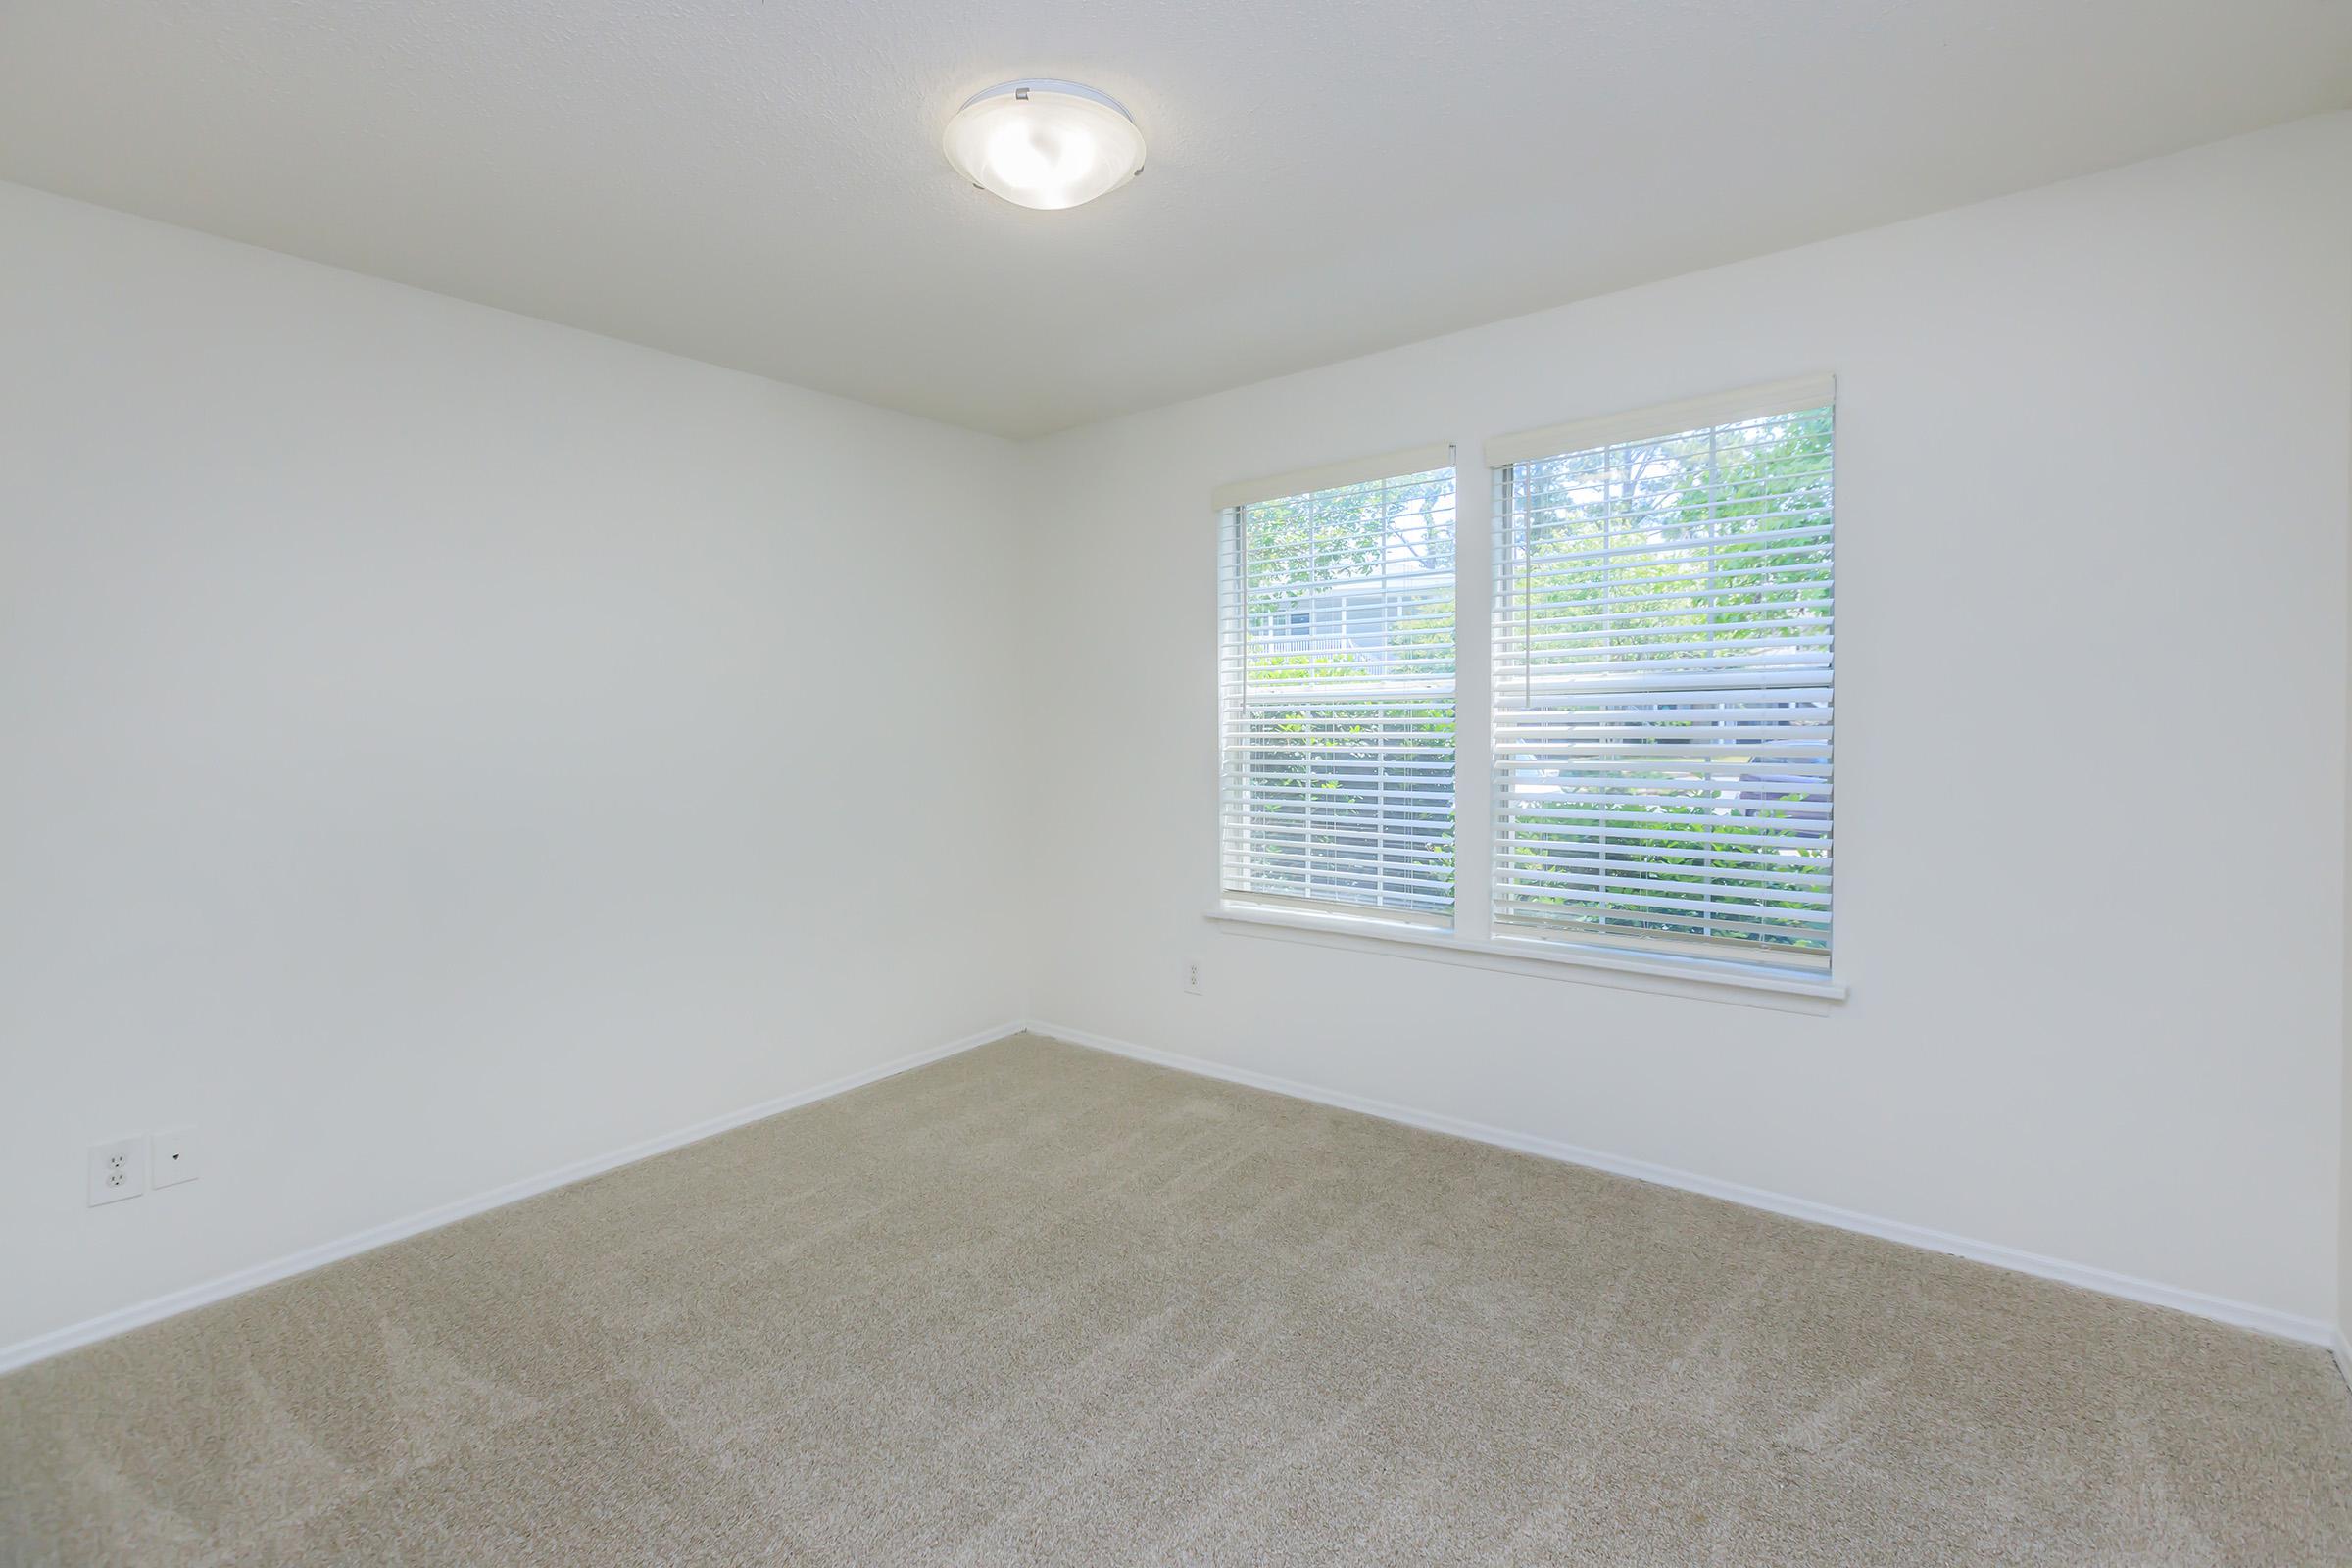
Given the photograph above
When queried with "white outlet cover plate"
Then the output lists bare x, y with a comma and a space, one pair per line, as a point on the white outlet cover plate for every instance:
175, 1156
118, 1170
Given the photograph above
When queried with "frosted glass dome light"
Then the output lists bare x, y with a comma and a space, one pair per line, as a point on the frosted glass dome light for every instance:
1044, 144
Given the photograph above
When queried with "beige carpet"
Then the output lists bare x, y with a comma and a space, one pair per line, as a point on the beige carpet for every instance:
1034, 1303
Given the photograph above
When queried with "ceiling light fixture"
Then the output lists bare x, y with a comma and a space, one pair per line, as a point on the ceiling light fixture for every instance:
1044, 144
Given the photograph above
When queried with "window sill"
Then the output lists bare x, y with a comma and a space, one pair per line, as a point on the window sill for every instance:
1696, 978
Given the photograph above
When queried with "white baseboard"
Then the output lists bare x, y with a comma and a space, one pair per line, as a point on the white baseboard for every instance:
2221, 1309
107, 1324
2310, 1330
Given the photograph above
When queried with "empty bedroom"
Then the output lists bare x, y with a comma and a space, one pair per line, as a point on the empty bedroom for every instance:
1033, 782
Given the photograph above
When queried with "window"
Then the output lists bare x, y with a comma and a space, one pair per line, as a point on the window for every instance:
1659, 679
1662, 659
1336, 688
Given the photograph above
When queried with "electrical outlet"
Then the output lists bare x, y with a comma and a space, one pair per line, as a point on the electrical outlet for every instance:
1192, 976
118, 1170
175, 1156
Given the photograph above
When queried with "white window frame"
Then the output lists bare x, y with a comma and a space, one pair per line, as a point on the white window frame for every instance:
1472, 940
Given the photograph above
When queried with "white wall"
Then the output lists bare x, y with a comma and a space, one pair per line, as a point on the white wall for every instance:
431, 756
2092, 483
441, 746
2343, 1213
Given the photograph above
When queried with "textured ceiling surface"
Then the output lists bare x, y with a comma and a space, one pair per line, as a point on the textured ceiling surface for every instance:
758, 182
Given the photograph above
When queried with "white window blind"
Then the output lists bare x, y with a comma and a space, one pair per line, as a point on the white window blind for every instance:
1336, 683
1663, 635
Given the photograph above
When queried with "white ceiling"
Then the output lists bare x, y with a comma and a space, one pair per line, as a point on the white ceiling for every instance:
758, 182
